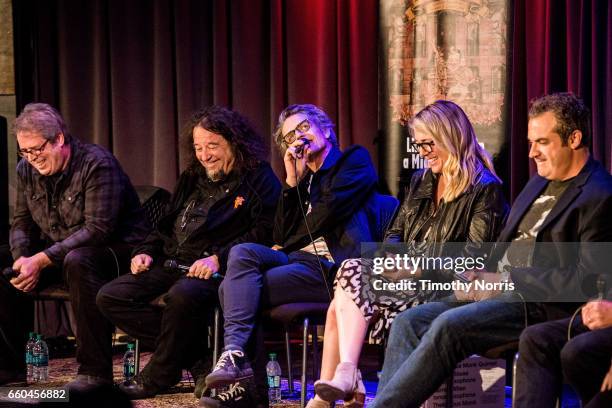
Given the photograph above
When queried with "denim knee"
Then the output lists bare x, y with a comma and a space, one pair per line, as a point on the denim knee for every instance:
241, 255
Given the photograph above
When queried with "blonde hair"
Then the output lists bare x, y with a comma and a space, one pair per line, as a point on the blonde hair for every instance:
451, 129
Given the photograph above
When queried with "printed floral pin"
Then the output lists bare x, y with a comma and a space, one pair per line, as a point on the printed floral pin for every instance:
238, 201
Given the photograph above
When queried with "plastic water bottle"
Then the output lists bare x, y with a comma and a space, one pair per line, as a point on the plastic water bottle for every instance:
40, 360
274, 372
129, 365
29, 357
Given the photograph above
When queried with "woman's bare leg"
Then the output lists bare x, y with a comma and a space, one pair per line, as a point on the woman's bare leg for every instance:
331, 355
351, 327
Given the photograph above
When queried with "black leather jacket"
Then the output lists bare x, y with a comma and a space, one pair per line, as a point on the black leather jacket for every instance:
475, 217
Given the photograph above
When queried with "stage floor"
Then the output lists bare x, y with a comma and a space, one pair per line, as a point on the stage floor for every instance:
62, 370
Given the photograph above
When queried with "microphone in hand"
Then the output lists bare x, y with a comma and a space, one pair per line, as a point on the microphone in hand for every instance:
9, 273
299, 150
174, 264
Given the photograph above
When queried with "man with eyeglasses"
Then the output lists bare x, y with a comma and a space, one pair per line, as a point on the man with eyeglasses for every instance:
326, 191
227, 195
76, 219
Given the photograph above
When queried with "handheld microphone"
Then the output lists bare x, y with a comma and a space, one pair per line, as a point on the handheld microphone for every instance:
174, 264
299, 151
9, 273
601, 287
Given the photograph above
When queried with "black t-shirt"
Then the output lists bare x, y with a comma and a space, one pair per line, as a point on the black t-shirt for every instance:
519, 254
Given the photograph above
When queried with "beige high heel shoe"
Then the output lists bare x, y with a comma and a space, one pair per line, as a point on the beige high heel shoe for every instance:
346, 385
358, 400
313, 403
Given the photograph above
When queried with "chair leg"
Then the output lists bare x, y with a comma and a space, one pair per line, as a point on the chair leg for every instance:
216, 333
137, 356
514, 363
315, 353
449, 392
288, 351
304, 362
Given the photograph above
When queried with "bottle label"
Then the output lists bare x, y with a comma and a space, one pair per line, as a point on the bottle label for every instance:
128, 370
40, 360
274, 381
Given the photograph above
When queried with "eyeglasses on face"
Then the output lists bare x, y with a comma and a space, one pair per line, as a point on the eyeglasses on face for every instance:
34, 152
302, 127
427, 147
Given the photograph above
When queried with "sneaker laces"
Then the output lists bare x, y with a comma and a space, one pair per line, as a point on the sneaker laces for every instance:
225, 355
234, 390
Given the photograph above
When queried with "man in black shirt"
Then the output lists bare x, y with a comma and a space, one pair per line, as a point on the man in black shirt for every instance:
77, 217
227, 196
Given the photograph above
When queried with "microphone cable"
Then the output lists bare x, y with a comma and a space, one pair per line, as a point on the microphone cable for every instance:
312, 242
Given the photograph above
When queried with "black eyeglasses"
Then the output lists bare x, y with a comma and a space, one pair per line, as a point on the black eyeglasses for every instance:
302, 127
33, 153
426, 146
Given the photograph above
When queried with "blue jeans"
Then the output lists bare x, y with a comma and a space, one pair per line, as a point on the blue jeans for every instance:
428, 341
258, 276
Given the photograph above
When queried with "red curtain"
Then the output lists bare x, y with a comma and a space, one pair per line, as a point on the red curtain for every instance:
127, 74
560, 45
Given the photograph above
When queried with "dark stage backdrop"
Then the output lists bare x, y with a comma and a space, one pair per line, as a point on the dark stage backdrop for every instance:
127, 74
559, 45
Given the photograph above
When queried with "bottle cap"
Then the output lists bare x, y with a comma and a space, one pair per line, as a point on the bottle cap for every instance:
130, 346
272, 356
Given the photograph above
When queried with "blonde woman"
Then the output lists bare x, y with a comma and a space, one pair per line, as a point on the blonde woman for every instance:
458, 198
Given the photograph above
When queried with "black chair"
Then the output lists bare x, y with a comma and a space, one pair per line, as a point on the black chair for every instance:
380, 211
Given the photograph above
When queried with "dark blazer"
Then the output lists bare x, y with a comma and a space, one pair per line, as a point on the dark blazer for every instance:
339, 192
244, 215
561, 270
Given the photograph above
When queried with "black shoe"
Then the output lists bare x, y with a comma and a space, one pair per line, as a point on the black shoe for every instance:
231, 367
84, 383
198, 373
239, 395
140, 388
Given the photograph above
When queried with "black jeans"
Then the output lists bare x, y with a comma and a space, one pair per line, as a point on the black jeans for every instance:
177, 332
84, 270
546, 354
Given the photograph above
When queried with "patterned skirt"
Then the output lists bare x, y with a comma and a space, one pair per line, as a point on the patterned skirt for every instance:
379, 307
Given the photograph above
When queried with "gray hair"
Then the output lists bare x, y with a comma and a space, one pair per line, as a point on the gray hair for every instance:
41, 118
314, 114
